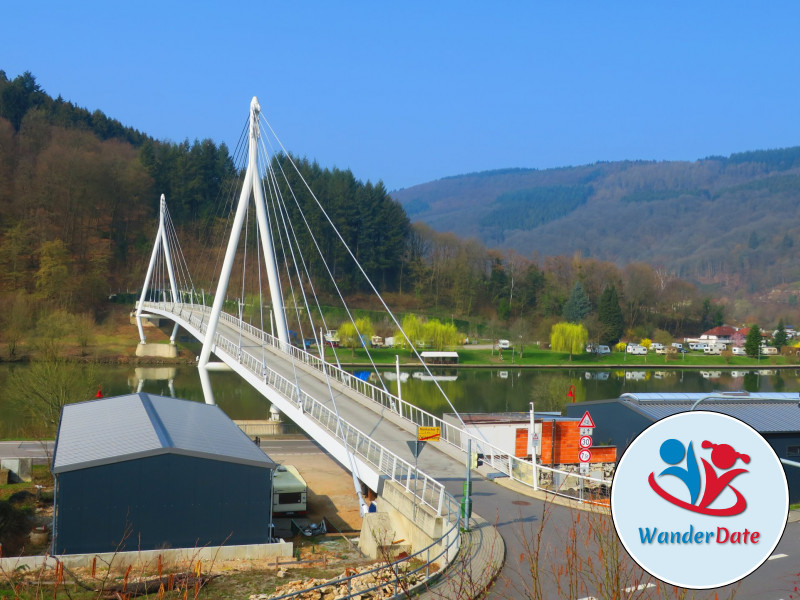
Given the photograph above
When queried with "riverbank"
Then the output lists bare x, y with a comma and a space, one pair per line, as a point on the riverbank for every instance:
114, 343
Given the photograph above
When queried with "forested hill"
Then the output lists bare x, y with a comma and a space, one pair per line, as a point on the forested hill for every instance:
79, 196
728, 220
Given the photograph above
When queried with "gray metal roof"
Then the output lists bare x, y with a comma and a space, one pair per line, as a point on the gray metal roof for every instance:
110, 430
766, 412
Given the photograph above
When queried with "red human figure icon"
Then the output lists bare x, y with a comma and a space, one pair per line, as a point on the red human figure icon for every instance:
724, 457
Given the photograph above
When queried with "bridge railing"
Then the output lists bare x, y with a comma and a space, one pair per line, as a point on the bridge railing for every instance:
431, 493
428, 490
556, 481
540, 477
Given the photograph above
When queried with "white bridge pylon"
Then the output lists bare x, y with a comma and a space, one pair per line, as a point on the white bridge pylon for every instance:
162, 244
251, 187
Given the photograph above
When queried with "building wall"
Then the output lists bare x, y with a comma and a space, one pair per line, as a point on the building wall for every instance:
619, 425
566, 447
780, 443
165, 501
615, 424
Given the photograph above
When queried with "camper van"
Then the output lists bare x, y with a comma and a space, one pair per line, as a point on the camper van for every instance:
635, 349
332, 338
738, 351
289, 491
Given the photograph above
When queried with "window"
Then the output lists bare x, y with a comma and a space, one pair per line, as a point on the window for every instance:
793, 451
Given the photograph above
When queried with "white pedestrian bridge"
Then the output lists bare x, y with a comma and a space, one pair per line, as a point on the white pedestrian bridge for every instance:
369, 430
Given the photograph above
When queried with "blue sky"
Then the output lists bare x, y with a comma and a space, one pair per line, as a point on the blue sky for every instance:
408, 92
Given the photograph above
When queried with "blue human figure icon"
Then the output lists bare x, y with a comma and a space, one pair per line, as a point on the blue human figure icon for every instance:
672, 453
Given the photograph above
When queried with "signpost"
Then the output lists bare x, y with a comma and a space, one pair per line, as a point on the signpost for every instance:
416, 447
585, 429
429, 434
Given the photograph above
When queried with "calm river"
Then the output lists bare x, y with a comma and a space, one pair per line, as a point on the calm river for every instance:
469, 389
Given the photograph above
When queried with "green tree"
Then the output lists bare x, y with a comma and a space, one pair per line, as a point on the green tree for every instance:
53, 274
412, 327
45, 387
348, 337
17, 320
441, 335
779, 339
610, 316
752, 342
568, 337
578, 305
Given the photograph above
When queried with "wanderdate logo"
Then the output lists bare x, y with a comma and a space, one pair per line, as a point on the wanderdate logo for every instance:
699, 499
712, 482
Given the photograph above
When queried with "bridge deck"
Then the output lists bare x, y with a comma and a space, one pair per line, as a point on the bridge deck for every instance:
284, 380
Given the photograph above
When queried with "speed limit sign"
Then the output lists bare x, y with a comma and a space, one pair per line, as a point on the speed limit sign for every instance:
586, 441
584, 455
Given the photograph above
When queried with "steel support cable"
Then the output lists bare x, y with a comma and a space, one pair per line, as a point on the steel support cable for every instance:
184, 265
225, 210
316, 245
274, 230
171, 239
261, 303
350, 454
293, 242
366, 277
284, 211
244, 273
320, 340
277, 203
333, 279
271, 193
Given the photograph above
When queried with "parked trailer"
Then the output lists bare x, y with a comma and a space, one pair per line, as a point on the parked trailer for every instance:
289, 491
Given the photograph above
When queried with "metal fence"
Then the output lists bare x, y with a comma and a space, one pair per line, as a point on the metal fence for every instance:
539, 477
431, 493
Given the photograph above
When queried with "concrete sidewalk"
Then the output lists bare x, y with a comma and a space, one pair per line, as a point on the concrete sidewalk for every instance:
475, 567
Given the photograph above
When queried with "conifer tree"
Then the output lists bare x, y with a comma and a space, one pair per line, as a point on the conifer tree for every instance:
779, 340
609, 314
753, 341
578, 305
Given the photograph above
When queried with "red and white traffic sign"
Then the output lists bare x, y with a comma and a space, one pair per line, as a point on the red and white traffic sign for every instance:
585, 441
586, 420
584, 455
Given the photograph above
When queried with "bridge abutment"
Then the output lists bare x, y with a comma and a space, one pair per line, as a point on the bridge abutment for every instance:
157, 350
401, 524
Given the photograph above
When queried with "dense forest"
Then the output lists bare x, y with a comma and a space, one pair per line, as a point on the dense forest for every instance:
727, 223
78, 207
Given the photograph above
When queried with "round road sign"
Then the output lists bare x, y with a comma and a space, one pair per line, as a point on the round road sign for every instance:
586, 441
585, 455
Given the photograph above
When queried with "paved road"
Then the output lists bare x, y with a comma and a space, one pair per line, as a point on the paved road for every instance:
40, 452
519, 517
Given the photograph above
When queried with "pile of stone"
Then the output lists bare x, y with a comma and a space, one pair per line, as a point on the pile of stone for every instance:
359, 581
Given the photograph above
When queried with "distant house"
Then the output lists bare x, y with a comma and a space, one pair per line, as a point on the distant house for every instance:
722, 334
741, 336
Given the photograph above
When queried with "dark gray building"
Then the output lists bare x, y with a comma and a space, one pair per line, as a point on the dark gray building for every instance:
775, 415
147, 472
